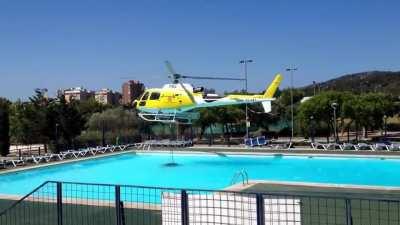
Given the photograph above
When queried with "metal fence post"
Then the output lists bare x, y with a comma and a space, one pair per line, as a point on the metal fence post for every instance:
184, 208
59, 204
117, 204
349, 218
122, 210
260, 209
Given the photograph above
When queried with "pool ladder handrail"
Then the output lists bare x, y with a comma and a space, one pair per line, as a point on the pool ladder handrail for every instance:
243, 174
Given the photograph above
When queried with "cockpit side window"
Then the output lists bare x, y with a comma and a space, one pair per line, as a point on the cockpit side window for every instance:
140, 96
155, 96
145, 96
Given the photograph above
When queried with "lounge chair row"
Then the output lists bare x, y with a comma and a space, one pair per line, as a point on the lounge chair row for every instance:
263, 142
48, 157
257, 141
356, 147
164, 143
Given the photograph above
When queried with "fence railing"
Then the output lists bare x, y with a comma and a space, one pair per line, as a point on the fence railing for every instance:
64, 203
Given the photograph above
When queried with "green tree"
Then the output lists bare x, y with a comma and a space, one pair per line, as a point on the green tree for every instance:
367, 110
319, 109
208, 118
4, 127
261, 120
89, 107
228, 116
45, 121
281, 108
23, 127
64, 124
115, 123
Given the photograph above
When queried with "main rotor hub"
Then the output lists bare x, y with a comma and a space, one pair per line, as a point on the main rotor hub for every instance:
176, 77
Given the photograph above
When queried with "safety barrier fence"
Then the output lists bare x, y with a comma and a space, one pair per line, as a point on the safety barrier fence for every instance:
63, 203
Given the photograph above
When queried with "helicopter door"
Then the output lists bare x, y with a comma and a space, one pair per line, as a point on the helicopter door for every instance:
143, 99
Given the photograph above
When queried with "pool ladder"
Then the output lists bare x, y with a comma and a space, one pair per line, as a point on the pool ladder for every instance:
240, 174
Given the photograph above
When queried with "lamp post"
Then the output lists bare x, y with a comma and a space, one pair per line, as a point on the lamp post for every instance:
103, 136
291, 70
245, 61
56, 134
314, 86
334, 107
385, 124
312, 131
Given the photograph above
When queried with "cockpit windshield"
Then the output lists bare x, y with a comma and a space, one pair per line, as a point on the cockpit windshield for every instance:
155, 96
145, 96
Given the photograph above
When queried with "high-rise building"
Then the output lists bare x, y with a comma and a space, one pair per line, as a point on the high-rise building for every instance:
77, 93
107, 97
131, 90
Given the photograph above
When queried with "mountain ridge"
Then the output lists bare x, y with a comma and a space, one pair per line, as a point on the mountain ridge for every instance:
362, 82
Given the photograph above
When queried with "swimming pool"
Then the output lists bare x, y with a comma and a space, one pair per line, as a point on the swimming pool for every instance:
207, 171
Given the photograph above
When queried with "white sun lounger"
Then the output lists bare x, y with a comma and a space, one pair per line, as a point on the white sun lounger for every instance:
333, 146
380, 147
363, 147
394, 147
46, 157
318, 146
102, 150
17, 162
122, 147
68, 153
347, 147
13, 162
85, 151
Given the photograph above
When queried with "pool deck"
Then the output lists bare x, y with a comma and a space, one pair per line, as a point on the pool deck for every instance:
72, 160
304, 150
318, 189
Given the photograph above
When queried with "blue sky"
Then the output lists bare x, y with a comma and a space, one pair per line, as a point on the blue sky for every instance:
60, 44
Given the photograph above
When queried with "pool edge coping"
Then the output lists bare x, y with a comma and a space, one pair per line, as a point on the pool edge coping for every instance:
39, 166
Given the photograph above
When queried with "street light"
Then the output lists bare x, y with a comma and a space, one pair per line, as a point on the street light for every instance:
56, 137
334, 107
245, 61
103, 136
291, 70
312, 131
385, 124
314, 86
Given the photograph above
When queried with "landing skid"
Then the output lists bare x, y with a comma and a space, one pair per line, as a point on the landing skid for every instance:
180, 118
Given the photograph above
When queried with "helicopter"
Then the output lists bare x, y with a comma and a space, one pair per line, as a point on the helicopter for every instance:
177, 102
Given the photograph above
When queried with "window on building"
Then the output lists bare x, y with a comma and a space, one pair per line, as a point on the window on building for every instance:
155, 96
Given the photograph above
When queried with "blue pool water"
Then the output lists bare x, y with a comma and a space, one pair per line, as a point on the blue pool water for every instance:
208, 171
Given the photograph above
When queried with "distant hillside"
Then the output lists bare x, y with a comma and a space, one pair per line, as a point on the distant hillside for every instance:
374, 81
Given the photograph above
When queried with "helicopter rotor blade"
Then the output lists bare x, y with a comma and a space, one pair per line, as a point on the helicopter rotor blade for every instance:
212, 78
170, 68
188, 93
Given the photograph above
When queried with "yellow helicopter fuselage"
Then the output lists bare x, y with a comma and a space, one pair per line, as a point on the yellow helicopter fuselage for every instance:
175, 98
161, 99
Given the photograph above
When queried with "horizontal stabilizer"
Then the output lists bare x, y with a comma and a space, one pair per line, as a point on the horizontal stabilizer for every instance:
267, 106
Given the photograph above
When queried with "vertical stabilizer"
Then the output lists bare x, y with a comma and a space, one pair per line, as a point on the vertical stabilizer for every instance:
270, 92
